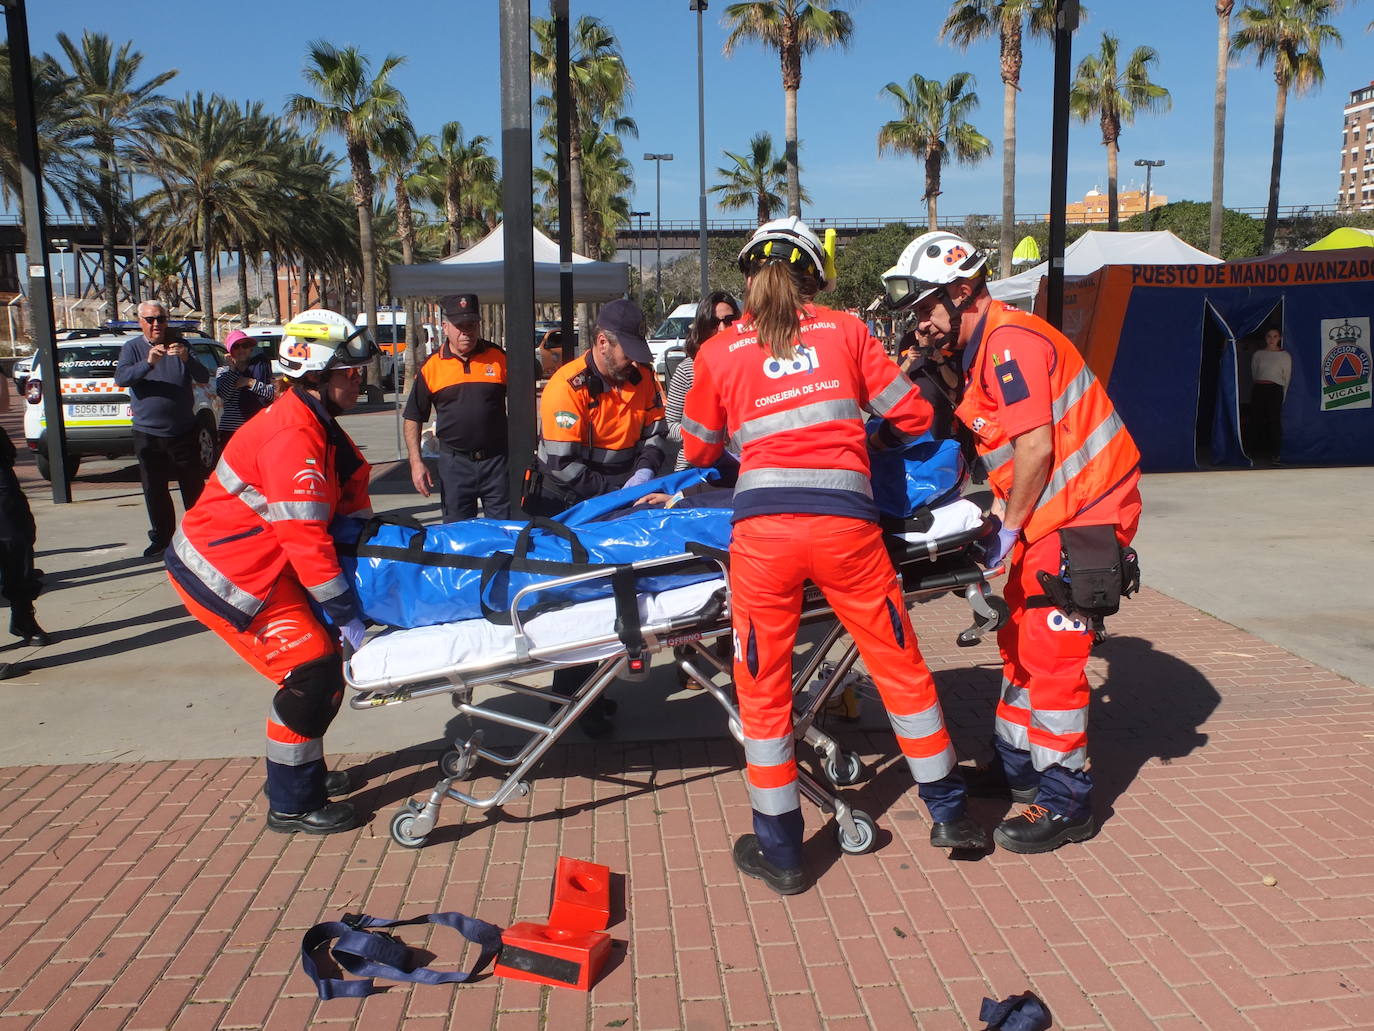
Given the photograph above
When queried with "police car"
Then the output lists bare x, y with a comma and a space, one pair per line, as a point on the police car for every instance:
97, 413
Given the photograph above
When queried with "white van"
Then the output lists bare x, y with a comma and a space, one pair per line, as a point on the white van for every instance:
671, 335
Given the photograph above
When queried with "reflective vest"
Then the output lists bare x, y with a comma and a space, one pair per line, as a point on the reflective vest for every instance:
799, 424
594, 434
265, 514
1093, 452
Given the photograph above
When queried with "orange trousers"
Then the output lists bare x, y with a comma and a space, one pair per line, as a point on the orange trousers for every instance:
771, 558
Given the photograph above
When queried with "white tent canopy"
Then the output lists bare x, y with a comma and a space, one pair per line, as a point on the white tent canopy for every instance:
1096, 248
480, 270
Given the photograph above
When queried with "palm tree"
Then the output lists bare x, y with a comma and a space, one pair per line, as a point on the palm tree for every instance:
111, 110
397, 150
1289, 33
792, 28
600, 86
163, 271
609, 178
1114, 95
206, 154
450, 170
1009, 21
60, 136
359, 107
1224, 8
933, 126
755, 179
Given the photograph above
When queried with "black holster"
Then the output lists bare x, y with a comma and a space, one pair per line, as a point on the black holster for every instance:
1095, 572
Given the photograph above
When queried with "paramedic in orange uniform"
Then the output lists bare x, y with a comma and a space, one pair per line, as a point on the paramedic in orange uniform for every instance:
253, 560
464, 383
601, 428
790, 382
1057, 457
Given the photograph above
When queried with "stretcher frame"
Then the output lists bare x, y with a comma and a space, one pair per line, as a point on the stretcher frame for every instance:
928, 569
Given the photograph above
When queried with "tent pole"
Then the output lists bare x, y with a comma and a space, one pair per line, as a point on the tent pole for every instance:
1066, 20
563, 85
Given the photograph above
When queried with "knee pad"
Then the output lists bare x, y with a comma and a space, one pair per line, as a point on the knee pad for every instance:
309, 697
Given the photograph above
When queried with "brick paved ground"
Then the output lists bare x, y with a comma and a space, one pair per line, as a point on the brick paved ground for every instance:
151, 895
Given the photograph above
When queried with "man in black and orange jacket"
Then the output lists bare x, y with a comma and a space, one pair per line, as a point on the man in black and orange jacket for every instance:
464, 384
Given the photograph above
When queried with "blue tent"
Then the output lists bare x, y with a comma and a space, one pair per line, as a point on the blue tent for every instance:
1173, 343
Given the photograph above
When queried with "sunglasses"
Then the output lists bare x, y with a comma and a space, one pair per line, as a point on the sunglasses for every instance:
153, 318
726, 320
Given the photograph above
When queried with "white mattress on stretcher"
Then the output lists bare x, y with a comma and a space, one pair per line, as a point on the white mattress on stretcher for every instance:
475, 645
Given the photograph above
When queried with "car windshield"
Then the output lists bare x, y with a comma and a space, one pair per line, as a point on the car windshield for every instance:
674, 329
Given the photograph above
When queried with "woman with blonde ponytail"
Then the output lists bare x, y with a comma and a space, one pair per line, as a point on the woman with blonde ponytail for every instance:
790, 382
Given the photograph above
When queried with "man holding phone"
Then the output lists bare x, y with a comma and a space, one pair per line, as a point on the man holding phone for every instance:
157, 369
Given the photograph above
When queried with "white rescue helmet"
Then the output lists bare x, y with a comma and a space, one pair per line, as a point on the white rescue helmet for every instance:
320, 340
791, 240
929, 262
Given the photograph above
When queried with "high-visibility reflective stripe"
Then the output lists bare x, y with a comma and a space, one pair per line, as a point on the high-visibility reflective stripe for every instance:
818, 479
330, 589
1043, 758
702, 434
241, 489
918, 725
232, 482
772, 751
212, 578
997, 457
558, 447
316, 510
929, 768
1012, 733
885, 399
775, 801
1061, 722
611, 455
654, 428
1014, 696
295, 754
1073, 464
1072, 392
796, 419
569, 473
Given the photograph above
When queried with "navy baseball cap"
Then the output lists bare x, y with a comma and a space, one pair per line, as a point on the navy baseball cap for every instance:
461, 307
625, 319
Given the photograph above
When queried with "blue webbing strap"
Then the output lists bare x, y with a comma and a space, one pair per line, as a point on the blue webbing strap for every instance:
367, 955
1024, 1012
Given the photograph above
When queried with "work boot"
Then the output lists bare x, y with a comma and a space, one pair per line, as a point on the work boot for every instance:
960, 833
330, 818
336, 783
26, 628
750, 860
991, 782
1036, 829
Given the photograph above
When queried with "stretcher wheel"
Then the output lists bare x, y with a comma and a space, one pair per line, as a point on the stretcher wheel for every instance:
401, 824
849, 769
1002, 612
865, 836
453, 764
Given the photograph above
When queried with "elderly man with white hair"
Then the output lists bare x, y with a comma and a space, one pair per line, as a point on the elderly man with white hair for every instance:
157, 369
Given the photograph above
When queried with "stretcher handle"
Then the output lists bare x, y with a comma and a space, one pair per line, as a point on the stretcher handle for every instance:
499, 563
376, 522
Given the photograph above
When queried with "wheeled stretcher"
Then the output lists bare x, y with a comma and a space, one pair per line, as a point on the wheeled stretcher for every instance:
616, 636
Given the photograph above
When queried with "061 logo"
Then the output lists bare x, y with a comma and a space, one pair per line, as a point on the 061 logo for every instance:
803, 360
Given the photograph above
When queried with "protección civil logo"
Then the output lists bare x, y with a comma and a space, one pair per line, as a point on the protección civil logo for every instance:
1346, 364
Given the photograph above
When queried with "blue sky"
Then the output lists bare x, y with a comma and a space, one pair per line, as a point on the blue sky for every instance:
256, 49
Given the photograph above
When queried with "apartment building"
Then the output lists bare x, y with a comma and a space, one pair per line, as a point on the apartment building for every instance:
1356, 191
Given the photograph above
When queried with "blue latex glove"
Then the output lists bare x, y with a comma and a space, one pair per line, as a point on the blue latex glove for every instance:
996, 549
639, 478
351, 634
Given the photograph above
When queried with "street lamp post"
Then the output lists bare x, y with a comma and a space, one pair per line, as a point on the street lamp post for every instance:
639, 246
1149, 167
133, 244
62, 246
700, 7
658, 160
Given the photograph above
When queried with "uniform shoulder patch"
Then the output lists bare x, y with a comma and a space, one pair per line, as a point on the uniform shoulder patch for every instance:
579, 382
1010, 382
565, 420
